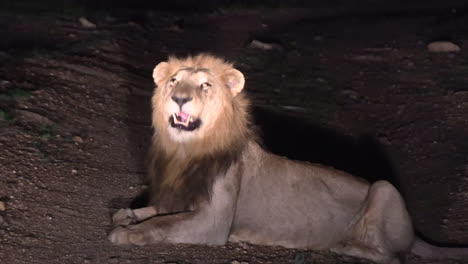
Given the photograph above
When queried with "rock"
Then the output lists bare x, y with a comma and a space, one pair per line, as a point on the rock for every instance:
293, 108
257, 44
49, 217
175, 28
318, 38
30, 118
5, 85
409, 64
5, 56
2, 206
110, 19
74, 171
351, 94
443, 46
77, 139
86, 23
368, 58
244, 245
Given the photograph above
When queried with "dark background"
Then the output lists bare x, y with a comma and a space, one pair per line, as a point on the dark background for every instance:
350, 84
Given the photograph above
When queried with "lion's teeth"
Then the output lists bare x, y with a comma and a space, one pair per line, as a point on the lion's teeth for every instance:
179, 120
176, 120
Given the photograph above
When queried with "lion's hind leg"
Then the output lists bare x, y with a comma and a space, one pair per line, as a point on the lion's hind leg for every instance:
384, 229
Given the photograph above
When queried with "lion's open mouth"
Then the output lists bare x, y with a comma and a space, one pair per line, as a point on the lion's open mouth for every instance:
184, 121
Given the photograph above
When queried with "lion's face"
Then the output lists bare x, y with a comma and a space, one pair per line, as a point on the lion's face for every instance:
190, 100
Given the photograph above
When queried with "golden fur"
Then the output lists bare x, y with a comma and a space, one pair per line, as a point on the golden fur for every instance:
176, 168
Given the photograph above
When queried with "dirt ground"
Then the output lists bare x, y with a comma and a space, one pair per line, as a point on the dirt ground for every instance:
359, 92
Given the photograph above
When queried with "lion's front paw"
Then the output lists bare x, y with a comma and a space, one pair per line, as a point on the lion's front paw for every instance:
128, 236
124, 217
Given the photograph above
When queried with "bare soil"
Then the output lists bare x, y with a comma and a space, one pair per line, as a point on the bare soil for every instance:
359, 92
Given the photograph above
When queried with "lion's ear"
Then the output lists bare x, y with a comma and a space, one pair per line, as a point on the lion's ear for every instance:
234, 79
160, 72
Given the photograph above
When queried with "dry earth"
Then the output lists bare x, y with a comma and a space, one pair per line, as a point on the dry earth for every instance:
361, 93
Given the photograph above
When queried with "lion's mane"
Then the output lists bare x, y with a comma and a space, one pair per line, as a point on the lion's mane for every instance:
181, 174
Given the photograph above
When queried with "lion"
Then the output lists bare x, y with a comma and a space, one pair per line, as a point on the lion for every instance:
211, 181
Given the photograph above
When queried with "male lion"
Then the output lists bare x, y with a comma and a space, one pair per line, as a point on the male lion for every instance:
212, 182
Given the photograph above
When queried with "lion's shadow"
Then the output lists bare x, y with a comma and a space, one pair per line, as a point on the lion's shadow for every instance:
297, 138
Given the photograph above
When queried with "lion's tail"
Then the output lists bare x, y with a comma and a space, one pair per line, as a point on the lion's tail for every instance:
426, 250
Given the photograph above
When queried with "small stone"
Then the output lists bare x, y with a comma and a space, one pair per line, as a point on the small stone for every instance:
110, 19
77, 139
74, 171
318, 38
175, 28
5, 56
257, 44
409, 64
5, 85
384, 139
443, 46
293, 108
2, 206
86, 23
351, 94
368, 58
244, 245
235, 262
30, 118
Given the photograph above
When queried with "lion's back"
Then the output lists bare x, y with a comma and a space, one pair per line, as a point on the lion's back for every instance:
280, 200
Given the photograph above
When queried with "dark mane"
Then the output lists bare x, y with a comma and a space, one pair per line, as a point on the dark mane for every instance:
194, 180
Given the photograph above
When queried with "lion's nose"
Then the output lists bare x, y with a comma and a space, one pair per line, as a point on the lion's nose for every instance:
181, 100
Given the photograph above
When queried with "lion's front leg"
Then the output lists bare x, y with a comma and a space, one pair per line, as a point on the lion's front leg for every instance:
127, 216
132, 235
148, 232
210, 227
208, 224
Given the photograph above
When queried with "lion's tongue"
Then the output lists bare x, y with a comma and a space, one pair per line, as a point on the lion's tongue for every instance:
183, 116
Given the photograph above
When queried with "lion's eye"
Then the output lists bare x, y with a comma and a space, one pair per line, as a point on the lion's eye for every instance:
205, 85
173, 81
